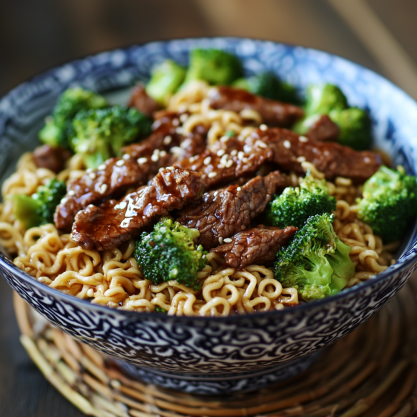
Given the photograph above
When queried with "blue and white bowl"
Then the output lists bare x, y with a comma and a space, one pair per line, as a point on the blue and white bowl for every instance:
202, 354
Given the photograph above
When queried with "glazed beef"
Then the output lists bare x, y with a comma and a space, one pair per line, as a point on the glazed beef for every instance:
255, 246
115, 176
227, 161
273, 112
140, 163
323, 130
51, 158
114, 222
225, 212
141, 101
166, 139
332, 159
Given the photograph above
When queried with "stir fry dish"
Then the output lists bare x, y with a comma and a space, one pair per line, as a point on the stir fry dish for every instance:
210, 193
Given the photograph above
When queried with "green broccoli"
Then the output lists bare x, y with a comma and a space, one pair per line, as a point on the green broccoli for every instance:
316, 262
389, 202
58, 128
214, 66
169, 253
100, 134
268, 85
165, 80
354, 127
295, 205
327, 99
39, 208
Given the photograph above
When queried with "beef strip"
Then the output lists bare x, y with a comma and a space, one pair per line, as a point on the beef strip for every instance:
332, 159
139, 164
165, 138
114, 222
225, 212
323, 129
140, 99
273, 112
51, 158
227, 161
255, 246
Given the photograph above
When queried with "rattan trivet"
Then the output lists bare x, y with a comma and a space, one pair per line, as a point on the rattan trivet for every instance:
372, 372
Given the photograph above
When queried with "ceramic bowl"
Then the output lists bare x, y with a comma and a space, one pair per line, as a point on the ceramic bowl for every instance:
202, 354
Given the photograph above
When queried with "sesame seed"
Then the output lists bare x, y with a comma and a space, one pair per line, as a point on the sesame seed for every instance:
178, 130
175, 122
162, 154
142, 160
212, 174
103, 188
221, 152
176, 150
155, 157
126, 156
234, 152
224, 139
64, 200
238, 189
186, 143
167, 140
223, 160
287, 144
303, 139
120, 162
92, 175
186, 173
221, 240
71, 192
89, 170
121, 205
101, 167
241, 155
261, 144
227, 240
207, 160
229, 163
170, 168
301, 159
263, 127
90, 293
183, 118
366, 160
244, 160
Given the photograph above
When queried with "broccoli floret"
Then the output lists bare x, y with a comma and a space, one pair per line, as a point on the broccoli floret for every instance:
165, 80
295, 205
40, 207
169, 253
316, 262
268, 85
100, 134
213, 66
354, 123
389, 202
354, 127
58, 128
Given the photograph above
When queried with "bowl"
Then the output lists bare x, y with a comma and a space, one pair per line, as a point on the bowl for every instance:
213, 355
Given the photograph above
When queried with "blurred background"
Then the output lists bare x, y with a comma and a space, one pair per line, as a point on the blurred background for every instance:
38, 34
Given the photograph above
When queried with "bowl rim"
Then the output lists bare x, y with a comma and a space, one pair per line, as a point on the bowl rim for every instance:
411, 258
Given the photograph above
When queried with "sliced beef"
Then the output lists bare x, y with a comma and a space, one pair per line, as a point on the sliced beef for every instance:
323, 129
51, 158
114, 222
141, 101
332, 159
140, 163
255, 246
228, 161
115, 176
225, 212
273, 112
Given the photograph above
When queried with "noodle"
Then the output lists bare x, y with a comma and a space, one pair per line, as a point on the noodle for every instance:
114, 278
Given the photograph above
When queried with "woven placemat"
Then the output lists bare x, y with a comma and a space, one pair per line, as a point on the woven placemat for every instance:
371, 372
